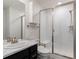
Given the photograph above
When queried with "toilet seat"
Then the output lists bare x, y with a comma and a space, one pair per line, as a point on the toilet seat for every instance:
42, 49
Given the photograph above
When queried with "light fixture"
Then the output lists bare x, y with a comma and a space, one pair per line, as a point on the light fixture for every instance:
59, 3
22, 1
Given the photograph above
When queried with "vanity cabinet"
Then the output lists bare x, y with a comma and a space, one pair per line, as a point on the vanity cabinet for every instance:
33, 52
28, 53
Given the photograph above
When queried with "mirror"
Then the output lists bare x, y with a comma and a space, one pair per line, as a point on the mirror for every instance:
13, 19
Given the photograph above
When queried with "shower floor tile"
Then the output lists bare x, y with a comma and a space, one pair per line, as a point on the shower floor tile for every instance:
53, 56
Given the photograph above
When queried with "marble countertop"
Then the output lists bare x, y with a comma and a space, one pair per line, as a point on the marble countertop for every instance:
9, 49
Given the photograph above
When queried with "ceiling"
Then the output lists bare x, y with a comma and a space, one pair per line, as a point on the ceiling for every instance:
51, 3
44, 3
14, 3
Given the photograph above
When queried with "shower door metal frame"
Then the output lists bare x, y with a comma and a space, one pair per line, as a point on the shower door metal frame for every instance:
22, 26
52, 28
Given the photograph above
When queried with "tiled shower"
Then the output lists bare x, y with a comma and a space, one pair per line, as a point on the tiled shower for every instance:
55, 28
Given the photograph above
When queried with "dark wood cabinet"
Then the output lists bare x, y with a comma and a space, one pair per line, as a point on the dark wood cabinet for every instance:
33, 52
29, 53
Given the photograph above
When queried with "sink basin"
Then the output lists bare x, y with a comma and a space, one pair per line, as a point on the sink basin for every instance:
16, 45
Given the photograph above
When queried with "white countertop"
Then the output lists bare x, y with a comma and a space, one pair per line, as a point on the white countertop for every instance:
14, 48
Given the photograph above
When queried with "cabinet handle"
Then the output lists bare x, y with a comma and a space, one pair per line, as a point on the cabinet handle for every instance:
34, 55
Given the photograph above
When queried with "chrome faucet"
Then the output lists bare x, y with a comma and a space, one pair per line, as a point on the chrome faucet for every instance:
12, 39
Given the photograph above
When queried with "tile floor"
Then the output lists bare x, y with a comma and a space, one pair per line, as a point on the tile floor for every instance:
52, 56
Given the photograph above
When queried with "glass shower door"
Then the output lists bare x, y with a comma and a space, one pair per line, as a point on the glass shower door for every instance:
46, 28
63, 35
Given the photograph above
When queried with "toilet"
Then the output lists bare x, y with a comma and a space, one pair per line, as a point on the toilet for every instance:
43, 52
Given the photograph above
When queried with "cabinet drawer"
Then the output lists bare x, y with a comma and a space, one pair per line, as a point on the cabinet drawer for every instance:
34, 53
34, 56
25, 57
25, 52
33, 49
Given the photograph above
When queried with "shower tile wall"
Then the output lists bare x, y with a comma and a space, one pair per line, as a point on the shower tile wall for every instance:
31, 33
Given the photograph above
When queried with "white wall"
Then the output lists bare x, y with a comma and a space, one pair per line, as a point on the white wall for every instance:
26, 32
5, 23
31, 33
36, 7
63, 38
